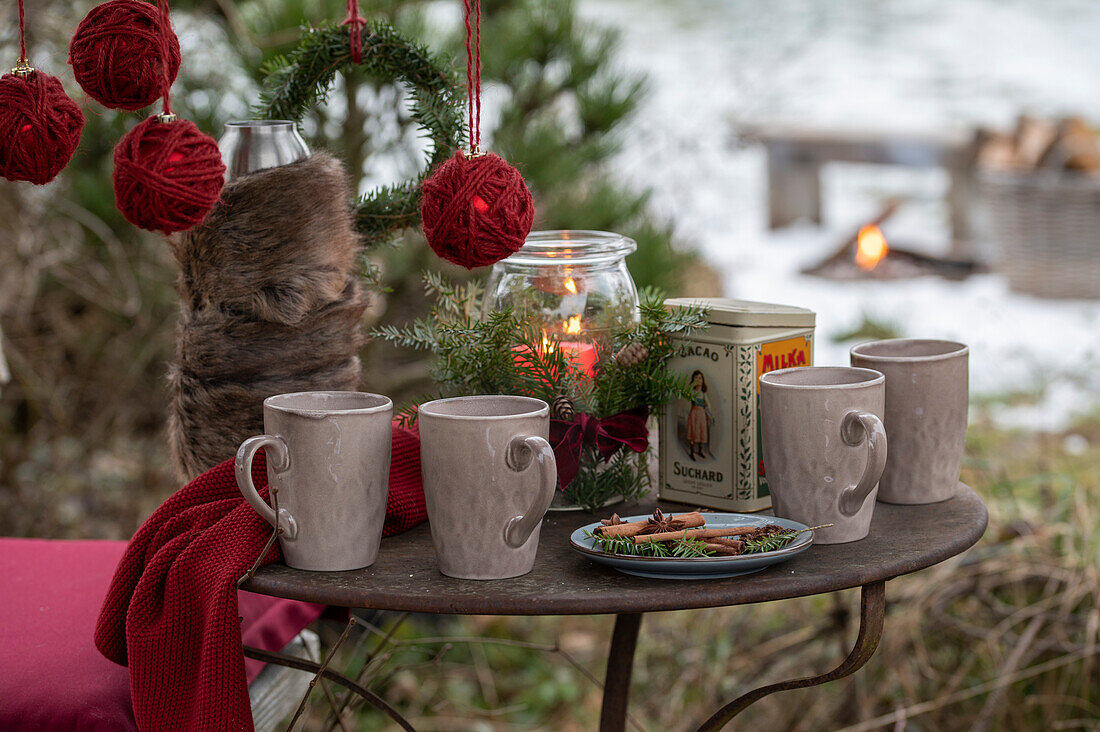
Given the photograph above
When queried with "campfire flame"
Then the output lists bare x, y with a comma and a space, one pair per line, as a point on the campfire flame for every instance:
571, 285
573, 325
871, 247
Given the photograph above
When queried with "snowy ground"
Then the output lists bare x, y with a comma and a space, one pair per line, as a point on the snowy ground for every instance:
917, 65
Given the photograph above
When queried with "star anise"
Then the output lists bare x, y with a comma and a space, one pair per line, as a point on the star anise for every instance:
659, 523
613, 521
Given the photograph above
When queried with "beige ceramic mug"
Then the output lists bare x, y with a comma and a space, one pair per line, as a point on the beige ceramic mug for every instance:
927, 394
489, 476
824, 447
328, 454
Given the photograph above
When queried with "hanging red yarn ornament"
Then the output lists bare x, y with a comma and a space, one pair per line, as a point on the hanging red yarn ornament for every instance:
39, 124
476, 209
168, 174
121, 52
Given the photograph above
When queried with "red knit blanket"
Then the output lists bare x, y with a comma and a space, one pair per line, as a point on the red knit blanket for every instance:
171, 610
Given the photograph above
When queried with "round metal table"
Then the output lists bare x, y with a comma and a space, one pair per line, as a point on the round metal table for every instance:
903, 539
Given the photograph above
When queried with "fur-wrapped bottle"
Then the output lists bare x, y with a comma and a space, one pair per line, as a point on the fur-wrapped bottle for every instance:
270, 303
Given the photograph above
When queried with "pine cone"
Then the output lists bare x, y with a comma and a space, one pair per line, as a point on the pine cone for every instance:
632, 354
562, 408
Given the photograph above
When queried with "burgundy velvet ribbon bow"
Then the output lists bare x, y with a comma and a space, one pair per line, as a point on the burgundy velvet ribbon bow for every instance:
607, 435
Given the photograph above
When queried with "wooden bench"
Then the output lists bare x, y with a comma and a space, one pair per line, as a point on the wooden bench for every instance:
795, 157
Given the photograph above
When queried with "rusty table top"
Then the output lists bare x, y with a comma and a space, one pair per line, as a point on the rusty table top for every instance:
903, 539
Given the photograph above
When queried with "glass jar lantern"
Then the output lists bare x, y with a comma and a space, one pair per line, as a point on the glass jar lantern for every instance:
572, 284
575, 288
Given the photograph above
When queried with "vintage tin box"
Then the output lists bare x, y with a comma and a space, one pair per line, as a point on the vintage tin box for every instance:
710, 445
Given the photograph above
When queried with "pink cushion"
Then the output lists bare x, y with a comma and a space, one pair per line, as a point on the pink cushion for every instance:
51, 674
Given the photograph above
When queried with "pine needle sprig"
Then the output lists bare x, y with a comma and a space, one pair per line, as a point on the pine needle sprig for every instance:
649, 382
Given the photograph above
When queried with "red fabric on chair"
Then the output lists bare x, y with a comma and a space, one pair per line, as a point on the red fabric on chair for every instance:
52, 677
171, 611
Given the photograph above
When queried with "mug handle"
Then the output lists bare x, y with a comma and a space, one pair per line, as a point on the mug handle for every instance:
278, 460
858, 426
522, 451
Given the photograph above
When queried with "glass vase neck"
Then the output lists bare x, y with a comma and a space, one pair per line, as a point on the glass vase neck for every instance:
251, 145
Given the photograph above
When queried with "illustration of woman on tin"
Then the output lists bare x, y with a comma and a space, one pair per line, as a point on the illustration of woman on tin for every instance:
699, 417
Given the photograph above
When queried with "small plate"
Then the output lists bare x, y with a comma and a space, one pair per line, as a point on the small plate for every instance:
699, 567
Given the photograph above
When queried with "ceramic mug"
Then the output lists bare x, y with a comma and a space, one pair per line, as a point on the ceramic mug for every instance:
927, 395
328, 454
824, 446
489, 477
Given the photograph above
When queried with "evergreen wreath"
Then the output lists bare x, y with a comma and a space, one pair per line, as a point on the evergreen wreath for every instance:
296, 82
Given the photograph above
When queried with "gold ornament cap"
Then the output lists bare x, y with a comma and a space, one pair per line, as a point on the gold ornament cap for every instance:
166, 117
22, 69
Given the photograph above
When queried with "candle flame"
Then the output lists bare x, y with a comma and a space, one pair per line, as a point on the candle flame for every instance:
571, 285
871, 247
573, 325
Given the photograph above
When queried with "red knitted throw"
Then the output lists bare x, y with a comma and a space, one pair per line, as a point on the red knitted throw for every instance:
476, 210
39, 127
120, 54
171, 610
168, 175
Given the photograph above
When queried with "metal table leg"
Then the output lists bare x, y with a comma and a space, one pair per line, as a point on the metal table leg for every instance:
872, 614
302, 664
620, 666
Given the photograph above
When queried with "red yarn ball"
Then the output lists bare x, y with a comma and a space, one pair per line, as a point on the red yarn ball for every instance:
476, 211
39, 127
168, 175
118, 54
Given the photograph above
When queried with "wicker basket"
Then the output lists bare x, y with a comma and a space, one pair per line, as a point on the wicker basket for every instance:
1046, 232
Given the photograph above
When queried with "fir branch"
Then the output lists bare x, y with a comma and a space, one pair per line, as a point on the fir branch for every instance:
506, 352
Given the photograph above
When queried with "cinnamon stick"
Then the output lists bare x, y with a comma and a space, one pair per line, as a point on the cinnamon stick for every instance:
633, 528
732, 549
700, 534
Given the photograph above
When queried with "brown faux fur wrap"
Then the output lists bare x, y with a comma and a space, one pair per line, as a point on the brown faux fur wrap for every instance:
279, 244
270, 303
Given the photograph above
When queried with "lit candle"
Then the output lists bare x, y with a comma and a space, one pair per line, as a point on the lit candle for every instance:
580, 354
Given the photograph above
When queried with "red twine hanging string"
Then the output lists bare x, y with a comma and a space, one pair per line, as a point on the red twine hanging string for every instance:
121, 51
476, 209
168, 174
356, 24
39, 124
167, 75
22, 36
473, 74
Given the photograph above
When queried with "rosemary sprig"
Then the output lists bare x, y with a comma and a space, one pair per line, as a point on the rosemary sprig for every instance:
775, 541
769, 543
625, 546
